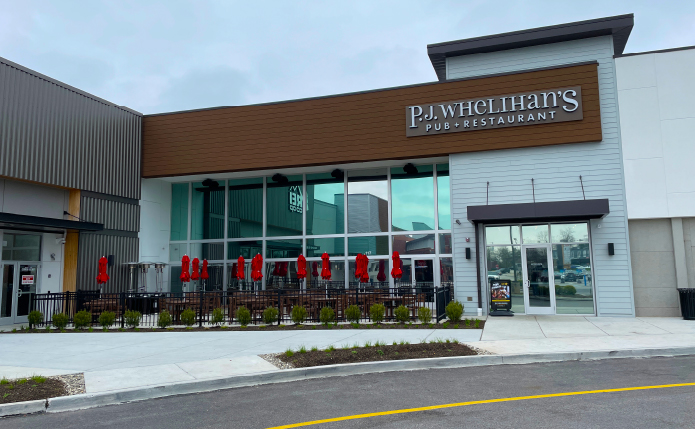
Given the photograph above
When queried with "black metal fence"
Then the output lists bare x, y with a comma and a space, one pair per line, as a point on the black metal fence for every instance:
203, 303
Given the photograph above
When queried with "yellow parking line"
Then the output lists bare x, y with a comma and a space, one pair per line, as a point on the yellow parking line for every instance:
486, 401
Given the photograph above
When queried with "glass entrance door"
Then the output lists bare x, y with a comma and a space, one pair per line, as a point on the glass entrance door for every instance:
19, 282
539, 290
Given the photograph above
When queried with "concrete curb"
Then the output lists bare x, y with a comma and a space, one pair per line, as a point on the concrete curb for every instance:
87, 400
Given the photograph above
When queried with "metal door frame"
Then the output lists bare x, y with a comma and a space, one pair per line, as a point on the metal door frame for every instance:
14, 319
551, 280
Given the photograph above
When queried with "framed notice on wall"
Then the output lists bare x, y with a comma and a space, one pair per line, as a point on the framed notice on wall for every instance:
500, 296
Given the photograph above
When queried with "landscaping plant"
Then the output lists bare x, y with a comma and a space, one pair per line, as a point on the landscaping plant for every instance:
353, 314
217, 316
376, 313
243, 315
164, 319
327, 315
60, 320
188, 317
454, 311
270, 315
402, 314
424, 314
35, 318
82, 319
132, 318
299, 313
107, 319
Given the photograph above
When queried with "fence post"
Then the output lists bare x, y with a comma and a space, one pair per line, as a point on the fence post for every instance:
200, 309
122, 299
279, 291
357, 301
436, 302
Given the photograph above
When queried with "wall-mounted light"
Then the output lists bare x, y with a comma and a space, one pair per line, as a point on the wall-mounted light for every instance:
458, 222
211, 183
468, 253
611, 249
409, 168
280, 178
338, 174
109, 260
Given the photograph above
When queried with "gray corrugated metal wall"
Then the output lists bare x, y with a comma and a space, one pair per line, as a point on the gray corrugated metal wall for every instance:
113, 214
94, 246
55, 134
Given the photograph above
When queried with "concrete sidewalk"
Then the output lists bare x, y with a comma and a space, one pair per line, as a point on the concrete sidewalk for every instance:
127, 360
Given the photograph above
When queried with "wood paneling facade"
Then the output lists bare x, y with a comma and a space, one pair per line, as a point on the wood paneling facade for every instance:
367, 126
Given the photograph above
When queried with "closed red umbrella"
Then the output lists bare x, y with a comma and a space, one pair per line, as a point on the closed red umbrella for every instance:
204, 274
301, 267
314, 269
365, 269
185, 275
256, 267
240, 268
358, 266
194, 274
396, 272
102, 277
382, 275
325, 266
283, 269
234, 270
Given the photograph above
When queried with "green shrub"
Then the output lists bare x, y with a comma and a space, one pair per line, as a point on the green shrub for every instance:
454, 311
217, 316
270, 315
376, 313
424, 314
60, 320
82, 319
188, 317
132, 318
35, 318
107, 319
298, 314
243, 315
353, 314
402, 314
477, 324
164, 320
327, 315
566, 290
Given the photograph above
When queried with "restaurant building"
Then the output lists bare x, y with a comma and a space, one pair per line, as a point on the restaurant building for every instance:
509, 167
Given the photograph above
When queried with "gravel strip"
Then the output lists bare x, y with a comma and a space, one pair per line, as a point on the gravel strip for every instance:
74, 383
273, 358
479, 350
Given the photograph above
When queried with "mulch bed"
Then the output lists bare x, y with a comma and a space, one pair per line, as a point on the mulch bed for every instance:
30, 390
380, 353
290, 327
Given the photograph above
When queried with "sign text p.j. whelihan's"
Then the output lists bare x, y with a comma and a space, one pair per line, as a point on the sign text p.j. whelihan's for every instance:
530, 108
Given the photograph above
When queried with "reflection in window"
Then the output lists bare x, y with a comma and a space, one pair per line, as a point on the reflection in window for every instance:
247, 249
175, 285
446, 271
573, 279
209, 251
246, 284
368, 245
245, 208
21, 247
325, 205
504, 263
179, 211
282, 275
334, 246
283, 248
215, 282
414, 244
569, 233
177, 250
378, 271
314, 280
412, 198
443, 196
207, 210
502, 235
284, 206
535, 233
367, 201
445, 243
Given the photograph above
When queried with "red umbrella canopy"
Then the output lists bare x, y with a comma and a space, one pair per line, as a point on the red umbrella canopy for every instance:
240, 270
358, 266
283, 269
325, 266
234, 270
382, 275
396, 272
204, 274
102, 277
365, 269
194, 274
256, 267
185, 275
301, 267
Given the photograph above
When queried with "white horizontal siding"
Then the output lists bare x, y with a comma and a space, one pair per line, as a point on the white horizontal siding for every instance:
555, 170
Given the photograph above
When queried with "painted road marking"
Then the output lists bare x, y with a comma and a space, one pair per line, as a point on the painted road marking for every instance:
486, 401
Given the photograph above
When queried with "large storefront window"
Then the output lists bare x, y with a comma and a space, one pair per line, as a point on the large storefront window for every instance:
367, 201
325, 204
414, 244
245, 216
443, 196
179, 211
21, 247
207, 211
412, 198
334, 246
284, 206
504, 263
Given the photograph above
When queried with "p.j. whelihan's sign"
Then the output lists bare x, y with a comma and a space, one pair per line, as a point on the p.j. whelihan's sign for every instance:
529, 108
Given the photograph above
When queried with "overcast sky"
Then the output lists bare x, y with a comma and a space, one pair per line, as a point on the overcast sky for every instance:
159, 56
